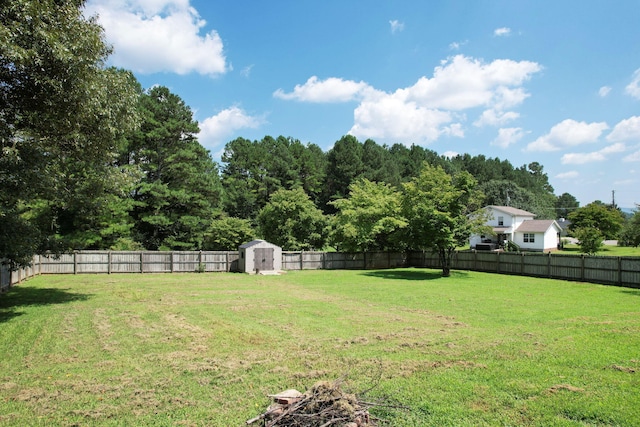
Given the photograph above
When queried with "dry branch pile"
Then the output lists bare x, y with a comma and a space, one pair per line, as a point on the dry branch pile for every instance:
324, 405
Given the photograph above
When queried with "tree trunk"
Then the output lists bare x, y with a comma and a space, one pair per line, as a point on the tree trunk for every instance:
445, 261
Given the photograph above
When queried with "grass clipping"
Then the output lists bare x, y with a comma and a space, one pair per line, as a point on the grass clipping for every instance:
324, 405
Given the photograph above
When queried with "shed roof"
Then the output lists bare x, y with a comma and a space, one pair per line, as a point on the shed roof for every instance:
254, 243
512, 211
537, 226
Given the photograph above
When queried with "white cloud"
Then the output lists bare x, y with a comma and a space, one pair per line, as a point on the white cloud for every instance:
568, 175
246, 71
215, 129
460, 83
633, 157
450, 154
596, 156
626, 130
633, 88
457, 45
625, 182
152, 36
396, 26
493, 117
568, 133
507, 137
330, 90
432, 107
501, 32
604, 91
391, 117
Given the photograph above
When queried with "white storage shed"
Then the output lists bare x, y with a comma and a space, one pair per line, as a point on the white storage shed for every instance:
259, 256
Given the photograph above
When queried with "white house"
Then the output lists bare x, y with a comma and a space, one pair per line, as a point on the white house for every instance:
519, 227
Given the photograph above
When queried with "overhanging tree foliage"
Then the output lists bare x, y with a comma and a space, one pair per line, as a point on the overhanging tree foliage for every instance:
63, 113
442, 212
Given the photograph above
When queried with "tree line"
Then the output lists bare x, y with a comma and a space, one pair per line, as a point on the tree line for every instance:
91, 160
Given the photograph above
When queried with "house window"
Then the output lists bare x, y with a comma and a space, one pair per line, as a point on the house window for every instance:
529, 238
500, 220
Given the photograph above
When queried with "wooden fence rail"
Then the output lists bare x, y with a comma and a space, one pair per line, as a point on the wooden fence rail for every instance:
620, 271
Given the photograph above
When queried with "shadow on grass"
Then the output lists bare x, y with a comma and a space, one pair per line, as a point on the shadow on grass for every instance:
634, 292
26, 296
409, 274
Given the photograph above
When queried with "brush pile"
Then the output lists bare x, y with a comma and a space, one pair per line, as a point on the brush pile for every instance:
324, 405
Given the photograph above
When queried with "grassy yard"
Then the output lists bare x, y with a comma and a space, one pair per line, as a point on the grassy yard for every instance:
606, 250
473, 349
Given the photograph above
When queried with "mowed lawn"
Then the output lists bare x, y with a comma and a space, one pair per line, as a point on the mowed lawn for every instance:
473, 349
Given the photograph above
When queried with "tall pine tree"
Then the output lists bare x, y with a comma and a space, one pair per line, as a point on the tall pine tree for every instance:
179, 194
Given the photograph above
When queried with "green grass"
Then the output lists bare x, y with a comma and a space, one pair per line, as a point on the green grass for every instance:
473, 349
623, 251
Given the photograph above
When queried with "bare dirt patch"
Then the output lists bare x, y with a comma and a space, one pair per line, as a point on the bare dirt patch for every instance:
564, 387
627, 369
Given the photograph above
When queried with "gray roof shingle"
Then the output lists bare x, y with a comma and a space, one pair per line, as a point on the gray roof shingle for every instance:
535, 226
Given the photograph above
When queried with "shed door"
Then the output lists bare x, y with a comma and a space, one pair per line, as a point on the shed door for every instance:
263, 259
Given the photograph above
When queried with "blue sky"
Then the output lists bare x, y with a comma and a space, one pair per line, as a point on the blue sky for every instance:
557, 82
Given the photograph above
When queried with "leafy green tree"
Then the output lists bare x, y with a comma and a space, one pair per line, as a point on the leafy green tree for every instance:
344, 165
565, 204
441, 211
311, 168
631, 231
369, 219
179, 194
291, 221
607, 219
91, 208
589, 239
227, 233
254, 170
61, 109
500, 192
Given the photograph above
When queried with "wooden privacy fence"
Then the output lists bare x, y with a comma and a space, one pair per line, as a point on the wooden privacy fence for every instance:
9, 278
138, 262
621, 271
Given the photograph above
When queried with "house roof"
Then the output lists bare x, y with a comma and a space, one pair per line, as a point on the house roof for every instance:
537, 226
512, 211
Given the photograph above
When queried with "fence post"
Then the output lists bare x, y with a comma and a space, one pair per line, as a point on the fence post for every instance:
141, 262
582, 269
109, 262
75, 262
498, 262
549, 265
619, 270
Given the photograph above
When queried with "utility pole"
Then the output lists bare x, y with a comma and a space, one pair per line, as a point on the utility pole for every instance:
613, 198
